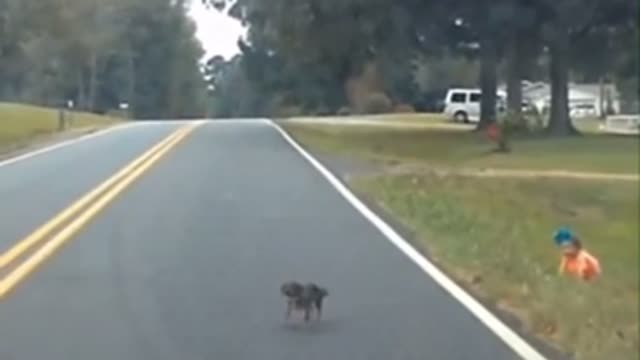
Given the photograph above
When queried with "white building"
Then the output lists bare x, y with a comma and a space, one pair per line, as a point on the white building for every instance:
585, 100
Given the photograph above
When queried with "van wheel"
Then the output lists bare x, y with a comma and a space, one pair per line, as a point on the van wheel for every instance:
461, 117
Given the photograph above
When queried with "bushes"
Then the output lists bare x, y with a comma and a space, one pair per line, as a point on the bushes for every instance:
371, 103
404, 109
344, 111
377, 103
288, 111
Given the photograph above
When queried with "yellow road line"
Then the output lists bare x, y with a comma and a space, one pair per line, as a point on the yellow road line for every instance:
49, 248
37, 236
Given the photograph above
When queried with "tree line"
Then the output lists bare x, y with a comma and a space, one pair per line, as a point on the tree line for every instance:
101, 54
339, 56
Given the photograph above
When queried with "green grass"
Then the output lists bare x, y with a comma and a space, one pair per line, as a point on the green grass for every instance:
411, 117
495, 235
20, 124
456, 148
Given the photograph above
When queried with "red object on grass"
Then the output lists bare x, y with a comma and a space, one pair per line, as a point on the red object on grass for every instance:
494, 132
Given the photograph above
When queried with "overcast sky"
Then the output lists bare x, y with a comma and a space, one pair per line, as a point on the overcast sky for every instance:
218, 33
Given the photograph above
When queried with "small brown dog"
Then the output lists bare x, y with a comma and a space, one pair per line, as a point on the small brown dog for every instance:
304, 298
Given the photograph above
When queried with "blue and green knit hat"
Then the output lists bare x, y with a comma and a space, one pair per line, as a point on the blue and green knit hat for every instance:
563, 236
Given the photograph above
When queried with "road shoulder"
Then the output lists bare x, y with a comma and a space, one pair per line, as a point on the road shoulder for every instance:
42, 142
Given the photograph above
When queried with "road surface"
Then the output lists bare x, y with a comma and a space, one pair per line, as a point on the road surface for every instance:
186, 263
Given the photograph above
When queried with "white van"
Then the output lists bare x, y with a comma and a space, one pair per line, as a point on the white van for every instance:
463, 105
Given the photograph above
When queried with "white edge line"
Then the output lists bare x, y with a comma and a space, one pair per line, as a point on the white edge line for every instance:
58, 145
506, 334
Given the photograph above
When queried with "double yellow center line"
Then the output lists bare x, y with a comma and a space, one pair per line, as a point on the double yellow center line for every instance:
47, 239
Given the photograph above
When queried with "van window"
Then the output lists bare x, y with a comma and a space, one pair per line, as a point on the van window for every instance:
459, 97
475, 97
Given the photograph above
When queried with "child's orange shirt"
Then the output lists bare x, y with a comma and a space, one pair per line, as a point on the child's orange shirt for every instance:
583, 265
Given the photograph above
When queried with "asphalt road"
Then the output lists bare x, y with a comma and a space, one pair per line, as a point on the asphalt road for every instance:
187, 263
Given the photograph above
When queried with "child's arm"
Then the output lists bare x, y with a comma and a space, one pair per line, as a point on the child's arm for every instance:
592, 267
563, 265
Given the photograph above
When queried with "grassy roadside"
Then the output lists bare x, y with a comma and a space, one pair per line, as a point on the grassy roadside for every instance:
454, 148
470, 228
494, 234
22, 124
410, 118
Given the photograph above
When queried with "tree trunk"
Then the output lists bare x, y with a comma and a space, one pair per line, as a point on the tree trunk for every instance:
359, 86
93, 81
514, 78
559, 122
488, 80
131, 85
601, 99
82, 94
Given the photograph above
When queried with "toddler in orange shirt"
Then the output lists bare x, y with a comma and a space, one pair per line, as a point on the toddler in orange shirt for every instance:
576, 260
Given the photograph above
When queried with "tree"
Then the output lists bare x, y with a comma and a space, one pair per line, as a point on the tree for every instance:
481, 24
233, 93
605, 52
523, 46
322, 47
332, 40
101, 53
567, 23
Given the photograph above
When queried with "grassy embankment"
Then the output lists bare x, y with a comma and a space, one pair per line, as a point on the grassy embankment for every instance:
25, 125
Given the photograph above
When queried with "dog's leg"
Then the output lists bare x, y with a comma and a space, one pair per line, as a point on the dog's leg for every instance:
307, 313
289, 308
318, 304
